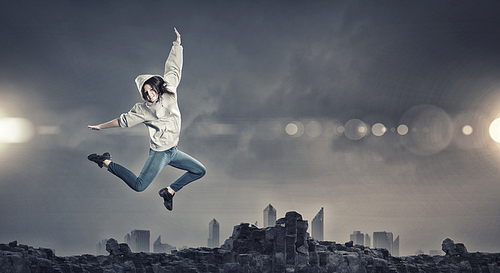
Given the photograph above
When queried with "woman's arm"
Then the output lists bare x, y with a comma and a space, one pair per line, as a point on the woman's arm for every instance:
173, 65
109, 124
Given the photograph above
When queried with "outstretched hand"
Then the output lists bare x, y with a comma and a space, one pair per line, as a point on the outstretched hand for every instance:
178, 35
94, 127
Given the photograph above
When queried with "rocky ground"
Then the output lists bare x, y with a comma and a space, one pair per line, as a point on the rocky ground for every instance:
285, 247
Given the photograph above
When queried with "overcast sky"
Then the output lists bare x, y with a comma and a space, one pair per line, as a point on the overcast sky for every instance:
279, 101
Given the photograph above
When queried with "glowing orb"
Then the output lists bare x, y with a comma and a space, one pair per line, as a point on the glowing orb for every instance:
15, 130
295, 129
495, 130
403, 129
467, 130
355, 129
378, 129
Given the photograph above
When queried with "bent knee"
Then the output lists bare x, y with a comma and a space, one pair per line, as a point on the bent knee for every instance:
202, 171
140, 187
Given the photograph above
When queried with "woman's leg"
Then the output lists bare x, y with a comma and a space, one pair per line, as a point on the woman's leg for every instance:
195, 170
153, 166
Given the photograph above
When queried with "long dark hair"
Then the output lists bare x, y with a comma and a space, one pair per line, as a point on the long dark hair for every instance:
159, 85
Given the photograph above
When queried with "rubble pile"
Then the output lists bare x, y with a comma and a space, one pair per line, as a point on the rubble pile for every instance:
286, 247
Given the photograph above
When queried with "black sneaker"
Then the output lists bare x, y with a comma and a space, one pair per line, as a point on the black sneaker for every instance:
168, 199
99, 159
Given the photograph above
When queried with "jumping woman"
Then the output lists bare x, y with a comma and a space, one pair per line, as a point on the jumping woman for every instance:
160, 113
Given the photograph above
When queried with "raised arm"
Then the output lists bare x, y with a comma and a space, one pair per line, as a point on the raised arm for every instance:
109, 124
173, 65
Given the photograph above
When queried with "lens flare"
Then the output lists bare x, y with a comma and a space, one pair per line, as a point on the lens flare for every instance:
295, 128
378, 129
15, 130
495, 130
431, 129
355, 129
467, 130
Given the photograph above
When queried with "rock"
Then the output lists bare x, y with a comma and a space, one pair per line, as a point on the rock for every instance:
116, 249
451, 249
286, 247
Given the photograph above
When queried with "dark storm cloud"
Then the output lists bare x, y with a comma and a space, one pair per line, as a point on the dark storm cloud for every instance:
368, 62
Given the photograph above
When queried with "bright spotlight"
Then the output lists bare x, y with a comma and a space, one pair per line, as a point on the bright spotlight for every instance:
495, 130
15, 130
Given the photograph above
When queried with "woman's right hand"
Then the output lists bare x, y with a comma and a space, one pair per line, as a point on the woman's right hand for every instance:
94, 127
178, 35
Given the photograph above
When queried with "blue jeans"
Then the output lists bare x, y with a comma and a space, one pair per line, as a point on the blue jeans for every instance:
153, 166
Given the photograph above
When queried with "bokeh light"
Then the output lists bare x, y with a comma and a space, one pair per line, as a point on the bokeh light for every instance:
313, 129
355, 129
295, 128
467, 130
16, 130
378, 129
431, 129
471, 130
403, 129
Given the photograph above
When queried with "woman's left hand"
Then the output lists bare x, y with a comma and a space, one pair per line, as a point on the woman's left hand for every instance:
178, 35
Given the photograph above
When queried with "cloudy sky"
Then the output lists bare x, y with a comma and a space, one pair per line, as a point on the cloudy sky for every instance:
377, 111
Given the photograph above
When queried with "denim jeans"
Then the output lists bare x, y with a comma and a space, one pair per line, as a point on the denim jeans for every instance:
153, 166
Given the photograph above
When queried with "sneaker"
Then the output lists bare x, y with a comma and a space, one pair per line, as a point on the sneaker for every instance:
168, 199
99, 159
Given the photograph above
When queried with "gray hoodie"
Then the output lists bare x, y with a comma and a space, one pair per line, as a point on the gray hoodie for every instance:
162, 117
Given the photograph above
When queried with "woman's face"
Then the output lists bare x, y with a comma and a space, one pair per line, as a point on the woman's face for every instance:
150, 94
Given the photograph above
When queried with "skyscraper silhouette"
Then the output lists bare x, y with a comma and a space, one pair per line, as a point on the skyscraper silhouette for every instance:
138, 240
213, 233
159, 247
357, 238
368, 240
317, 226
269, 216
395, 247
383, 239
101, 247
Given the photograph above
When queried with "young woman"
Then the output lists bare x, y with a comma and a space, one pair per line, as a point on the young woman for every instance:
160, 113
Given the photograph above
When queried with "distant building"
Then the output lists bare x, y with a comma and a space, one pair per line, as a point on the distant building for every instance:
158, 247
383, 239
213, 233
357, 238
101, 247
395, 247
138, 240
269, 216
317, 226
434, 252
368, 240
419, 252
127, 240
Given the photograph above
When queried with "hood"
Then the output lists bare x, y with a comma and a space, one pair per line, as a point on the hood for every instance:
141, 79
